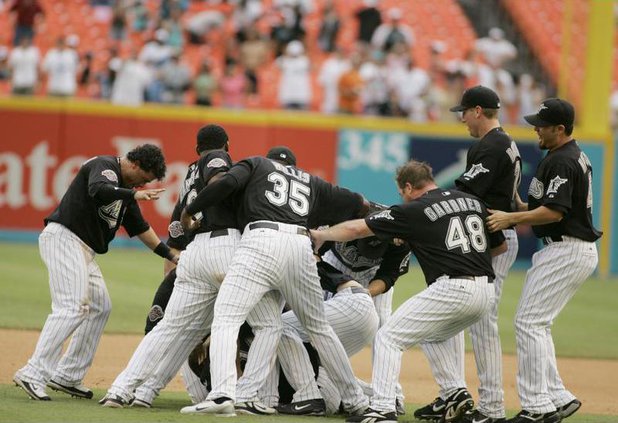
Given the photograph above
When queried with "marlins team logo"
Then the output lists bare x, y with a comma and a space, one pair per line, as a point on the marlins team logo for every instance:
475, 170
110, 174
536, 189
175, 229
386, 214
110, 213
217, 162
554, 184
156, 313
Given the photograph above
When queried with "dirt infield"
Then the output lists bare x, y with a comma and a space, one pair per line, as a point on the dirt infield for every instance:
590, 380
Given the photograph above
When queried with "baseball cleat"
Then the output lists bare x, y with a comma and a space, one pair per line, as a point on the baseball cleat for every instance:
457, 405
312, 407
528, 417
373, 416
255, 408
569, 408
139, 403
112, 401
222, 407
400, 407
476, 416
78, 391
34, 391
433, 411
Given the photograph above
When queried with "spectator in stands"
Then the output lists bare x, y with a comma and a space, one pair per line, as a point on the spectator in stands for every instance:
5, 71
280, 34
529, 95
107, 75
27, 14
393, 32
61, 65
397, 63
85, 69
156, 52
253, 54
350, 87
140, 16
246, 13
293, 13
496, 49
369, 19
118, 26
375, 90
176, 77
413, 89
200, 24
295, 84
328, 78
173, 26
24, 64
130, 82
204, 85
329, 28
233, 87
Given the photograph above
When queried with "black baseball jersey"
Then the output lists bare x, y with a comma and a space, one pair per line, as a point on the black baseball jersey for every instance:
331, 278
563, 182
177, 238
493, 171
95, 205
287, 194
446, 231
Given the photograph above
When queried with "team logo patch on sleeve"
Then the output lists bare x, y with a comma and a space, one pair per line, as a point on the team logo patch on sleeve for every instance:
156, 313
110, 174
386, 214
555, 184
475, 170
216, 162
536, 189
175, 229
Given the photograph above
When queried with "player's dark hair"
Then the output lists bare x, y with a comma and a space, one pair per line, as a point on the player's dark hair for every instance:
211, 137
568, 130
417, 174
490, 113
149, 158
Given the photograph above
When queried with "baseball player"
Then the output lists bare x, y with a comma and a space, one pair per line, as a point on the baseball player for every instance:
198, 276
274, 254
101, 197
446, 232
560, 212
493, 173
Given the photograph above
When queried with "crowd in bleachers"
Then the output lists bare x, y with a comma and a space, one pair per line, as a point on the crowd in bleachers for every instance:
259, 54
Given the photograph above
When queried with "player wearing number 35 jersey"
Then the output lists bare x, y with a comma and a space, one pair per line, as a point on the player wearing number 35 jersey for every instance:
446, 232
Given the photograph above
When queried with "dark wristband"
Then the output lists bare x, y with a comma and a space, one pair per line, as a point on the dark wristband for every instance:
164, 251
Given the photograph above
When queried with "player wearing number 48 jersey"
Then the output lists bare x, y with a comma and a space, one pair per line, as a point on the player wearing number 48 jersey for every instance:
274, 255
493, 173
560, 212
446, 232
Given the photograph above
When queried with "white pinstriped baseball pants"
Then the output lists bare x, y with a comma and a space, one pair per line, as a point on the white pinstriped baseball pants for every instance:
282, 260
188, 315
80, 307
446, 358
557, 271
439, 312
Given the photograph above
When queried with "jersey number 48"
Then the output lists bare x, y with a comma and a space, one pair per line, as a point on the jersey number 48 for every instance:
464, 234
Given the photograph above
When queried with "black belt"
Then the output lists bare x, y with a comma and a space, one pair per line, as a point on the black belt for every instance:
552, 238
275, 226
219, 232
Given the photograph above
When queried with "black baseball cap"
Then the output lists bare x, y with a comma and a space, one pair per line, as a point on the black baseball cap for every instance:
282, 154
553, 111
478, 96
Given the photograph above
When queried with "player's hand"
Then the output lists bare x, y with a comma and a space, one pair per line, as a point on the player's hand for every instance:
316, 239
187, 222
498, 220
175, 259
148, 194
398, 242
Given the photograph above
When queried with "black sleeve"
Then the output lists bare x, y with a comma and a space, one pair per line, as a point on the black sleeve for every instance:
392, 223
394, 264
334, 205
213, 163
176, 235
103, 183
330, 277
133, 220
160, 300
496, 238
483, 169
235, 179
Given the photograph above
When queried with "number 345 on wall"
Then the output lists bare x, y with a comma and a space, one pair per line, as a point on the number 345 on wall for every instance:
379, 151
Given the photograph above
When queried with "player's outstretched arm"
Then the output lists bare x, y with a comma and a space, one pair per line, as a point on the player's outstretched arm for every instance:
148, 194
499, 220
345, 231
152, 241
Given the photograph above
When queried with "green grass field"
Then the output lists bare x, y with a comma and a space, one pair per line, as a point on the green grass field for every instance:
588, 327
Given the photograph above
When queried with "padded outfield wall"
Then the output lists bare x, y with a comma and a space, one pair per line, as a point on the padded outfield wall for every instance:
43, 143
